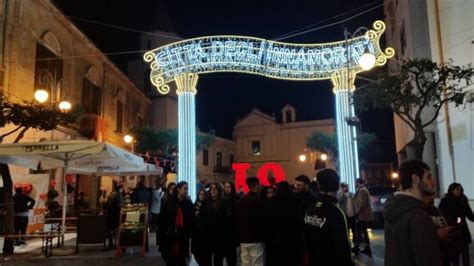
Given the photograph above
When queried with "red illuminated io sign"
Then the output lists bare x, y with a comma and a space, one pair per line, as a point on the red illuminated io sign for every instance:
262, 173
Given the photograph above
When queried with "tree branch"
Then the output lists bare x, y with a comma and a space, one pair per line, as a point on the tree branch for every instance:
406, 121
433, 118
21, 135
406, 112
9, 133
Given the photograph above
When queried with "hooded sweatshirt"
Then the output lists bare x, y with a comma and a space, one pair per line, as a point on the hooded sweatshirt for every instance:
410, 234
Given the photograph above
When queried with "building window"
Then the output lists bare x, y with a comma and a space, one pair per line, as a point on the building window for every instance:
48, 72
91, 97
205, 157
219, 160
119, 117
319, 164
231, 159
256, 148
288, 116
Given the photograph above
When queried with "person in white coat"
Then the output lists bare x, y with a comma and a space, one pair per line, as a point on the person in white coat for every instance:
157, 195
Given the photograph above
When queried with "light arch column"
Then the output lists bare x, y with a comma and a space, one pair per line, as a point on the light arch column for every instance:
343, 82
186, 91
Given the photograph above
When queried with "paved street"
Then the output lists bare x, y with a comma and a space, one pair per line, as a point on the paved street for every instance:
94, 255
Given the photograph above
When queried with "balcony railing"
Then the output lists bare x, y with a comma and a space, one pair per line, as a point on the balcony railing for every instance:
92, 126
222, 169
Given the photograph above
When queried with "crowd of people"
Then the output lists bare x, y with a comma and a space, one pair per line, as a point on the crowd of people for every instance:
307, 223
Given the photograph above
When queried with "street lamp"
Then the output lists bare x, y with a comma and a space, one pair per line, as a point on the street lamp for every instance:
65, 106
129, 140
367, 60
324, 156
394, 175
302, 158
347, 122
41, 95
51, 81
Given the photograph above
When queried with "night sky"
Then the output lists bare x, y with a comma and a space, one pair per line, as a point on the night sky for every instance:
224, 97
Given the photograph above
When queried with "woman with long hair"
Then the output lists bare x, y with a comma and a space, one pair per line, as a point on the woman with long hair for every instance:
267, 193
231, 235
455, 207
212, 217
175, 226
199, 246
168, 193
112, 207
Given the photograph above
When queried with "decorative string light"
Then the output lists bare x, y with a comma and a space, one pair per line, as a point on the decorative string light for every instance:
338, 61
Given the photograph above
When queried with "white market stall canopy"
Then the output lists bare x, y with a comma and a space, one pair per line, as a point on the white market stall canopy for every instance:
65, 154
145, 169
77, 154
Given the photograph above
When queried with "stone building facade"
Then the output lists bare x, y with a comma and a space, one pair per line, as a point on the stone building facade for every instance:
442, 31
42, 49
261, 139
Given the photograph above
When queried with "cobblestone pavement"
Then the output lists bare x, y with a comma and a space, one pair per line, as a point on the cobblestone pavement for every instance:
94, 255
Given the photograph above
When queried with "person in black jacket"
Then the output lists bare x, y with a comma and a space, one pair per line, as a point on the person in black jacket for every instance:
175, 226
410, 234
327, 239
251, 223
450, 237
141, 194
285, 242
112, 207
213, 217
302, 192
21, 205
456, 209
231, 237
199, 244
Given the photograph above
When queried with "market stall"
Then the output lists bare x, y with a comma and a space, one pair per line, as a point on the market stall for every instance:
67, 154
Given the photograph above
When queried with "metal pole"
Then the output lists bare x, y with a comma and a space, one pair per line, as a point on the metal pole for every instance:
63, 222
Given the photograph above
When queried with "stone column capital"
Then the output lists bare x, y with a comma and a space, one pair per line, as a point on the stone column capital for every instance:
186, 83
343, 80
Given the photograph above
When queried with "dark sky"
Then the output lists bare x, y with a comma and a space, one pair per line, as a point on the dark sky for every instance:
223, 98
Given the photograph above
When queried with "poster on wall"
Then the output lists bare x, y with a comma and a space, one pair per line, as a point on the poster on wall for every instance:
39, 183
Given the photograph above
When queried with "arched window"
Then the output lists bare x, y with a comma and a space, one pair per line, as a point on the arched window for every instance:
91, 92
49, 66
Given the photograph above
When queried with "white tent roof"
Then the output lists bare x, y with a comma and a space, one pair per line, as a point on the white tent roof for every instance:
54, 154
75, 154
145, 169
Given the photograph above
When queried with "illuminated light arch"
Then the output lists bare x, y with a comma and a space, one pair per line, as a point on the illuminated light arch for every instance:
336, 61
